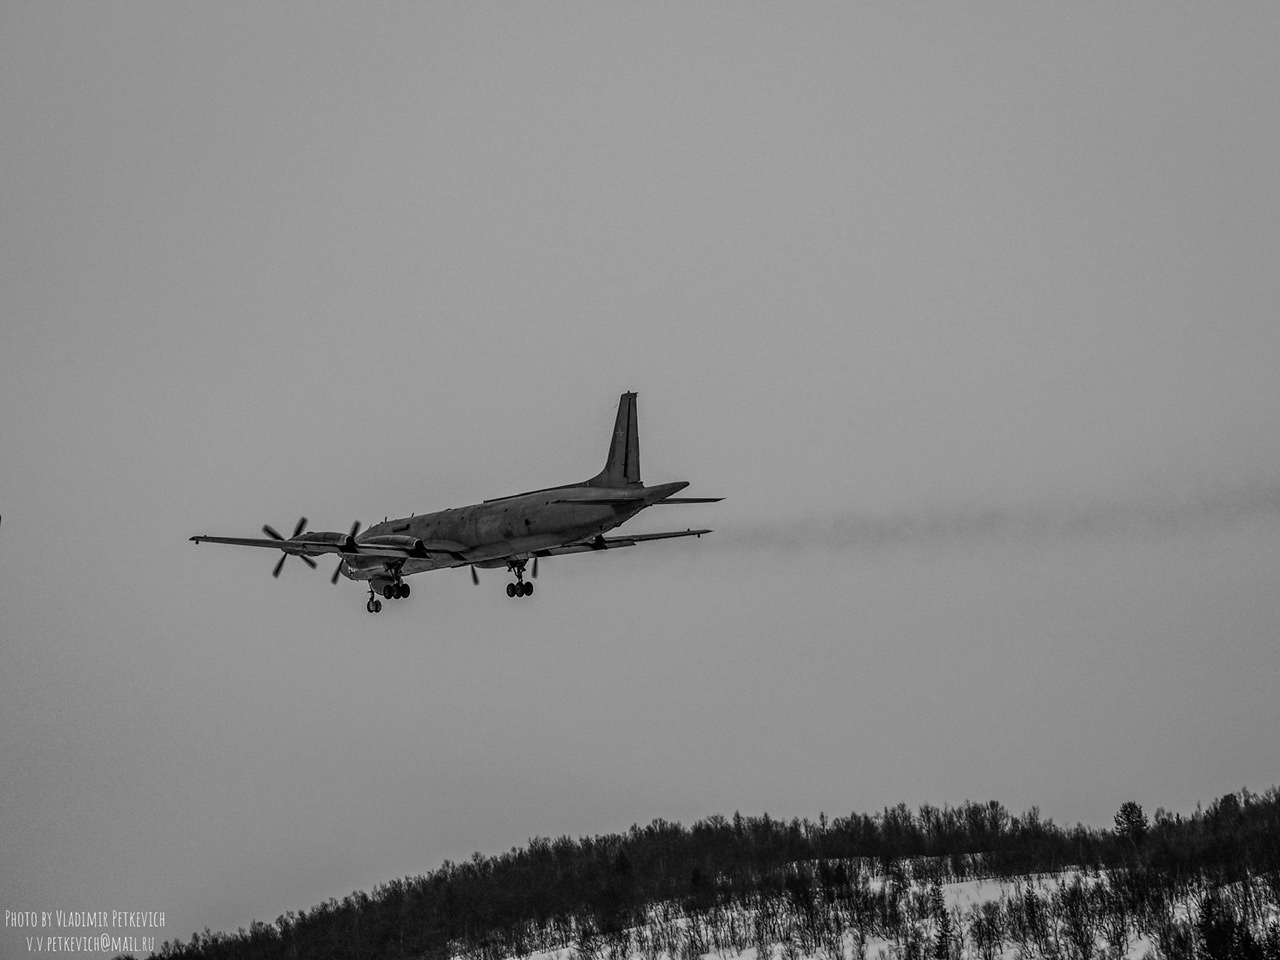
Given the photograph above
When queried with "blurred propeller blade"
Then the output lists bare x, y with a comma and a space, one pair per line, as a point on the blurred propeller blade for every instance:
535, 568
475, 577
337, 571
270, 532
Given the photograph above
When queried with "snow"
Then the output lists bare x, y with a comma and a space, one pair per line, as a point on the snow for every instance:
669, 925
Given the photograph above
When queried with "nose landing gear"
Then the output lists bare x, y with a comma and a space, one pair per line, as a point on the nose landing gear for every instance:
374, 605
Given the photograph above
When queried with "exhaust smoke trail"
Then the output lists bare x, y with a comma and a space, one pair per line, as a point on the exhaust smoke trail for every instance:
1032, 522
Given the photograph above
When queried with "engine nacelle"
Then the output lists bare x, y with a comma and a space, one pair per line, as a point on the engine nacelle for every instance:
344, 541
412, 544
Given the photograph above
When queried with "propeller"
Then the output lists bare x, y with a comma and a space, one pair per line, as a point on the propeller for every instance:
355, 528
535, 568
302, 525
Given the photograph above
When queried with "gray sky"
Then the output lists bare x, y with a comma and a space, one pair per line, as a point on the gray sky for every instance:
970, 311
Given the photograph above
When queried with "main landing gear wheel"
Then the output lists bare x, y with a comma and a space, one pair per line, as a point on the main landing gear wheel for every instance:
520, 588
395, 591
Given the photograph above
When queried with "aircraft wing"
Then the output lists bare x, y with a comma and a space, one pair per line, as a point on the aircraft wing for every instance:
631, 501
612, 543
311, 548
296, 547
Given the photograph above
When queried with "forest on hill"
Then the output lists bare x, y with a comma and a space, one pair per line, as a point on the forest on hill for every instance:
1202, 885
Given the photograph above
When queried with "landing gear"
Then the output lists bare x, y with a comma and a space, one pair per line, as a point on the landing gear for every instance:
396, 590
520, 588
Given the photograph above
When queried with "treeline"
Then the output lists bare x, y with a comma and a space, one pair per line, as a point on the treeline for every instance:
802, 883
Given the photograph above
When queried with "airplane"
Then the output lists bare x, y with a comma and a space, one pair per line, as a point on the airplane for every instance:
507, 531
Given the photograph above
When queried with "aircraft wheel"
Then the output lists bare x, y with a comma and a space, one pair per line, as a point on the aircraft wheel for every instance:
528, 589
511, 589
377, 606
388, 591
404, 590
369, 606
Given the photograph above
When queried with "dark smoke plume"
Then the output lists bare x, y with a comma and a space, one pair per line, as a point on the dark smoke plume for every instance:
1031, 522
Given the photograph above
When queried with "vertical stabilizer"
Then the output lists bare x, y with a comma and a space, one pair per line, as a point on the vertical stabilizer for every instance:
622, 469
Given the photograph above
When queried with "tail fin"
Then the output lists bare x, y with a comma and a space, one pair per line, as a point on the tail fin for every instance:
622, 469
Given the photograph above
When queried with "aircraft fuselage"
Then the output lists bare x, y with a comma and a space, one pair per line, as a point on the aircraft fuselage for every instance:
488, 534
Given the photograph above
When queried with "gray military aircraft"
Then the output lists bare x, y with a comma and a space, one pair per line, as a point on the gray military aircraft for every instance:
508, 531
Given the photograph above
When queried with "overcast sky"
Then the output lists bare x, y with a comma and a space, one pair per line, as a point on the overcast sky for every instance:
971, 312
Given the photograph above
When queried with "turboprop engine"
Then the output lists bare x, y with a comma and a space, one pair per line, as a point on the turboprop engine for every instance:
413, 544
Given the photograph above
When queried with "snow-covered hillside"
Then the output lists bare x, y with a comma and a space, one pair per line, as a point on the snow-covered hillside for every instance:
1067, 916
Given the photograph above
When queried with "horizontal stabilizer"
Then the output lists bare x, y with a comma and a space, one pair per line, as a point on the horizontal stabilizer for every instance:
691, 500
